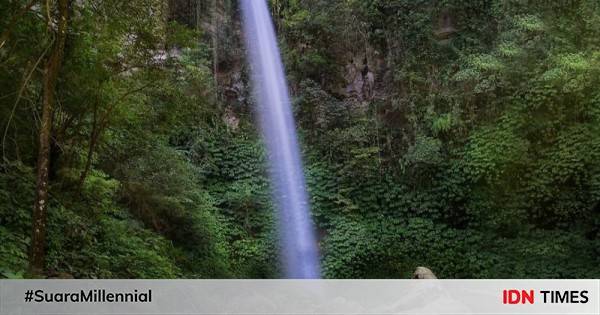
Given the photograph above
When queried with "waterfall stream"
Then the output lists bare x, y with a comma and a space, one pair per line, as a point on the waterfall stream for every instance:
298, 242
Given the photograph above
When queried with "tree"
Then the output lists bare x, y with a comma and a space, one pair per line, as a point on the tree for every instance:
40, 207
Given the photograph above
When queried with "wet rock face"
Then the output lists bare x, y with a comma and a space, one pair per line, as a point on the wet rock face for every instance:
360, 80
444, 29
234, 91
364, 73
230, 119
219, 22
185, 11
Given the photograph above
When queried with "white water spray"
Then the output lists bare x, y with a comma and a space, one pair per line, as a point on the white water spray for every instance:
299, 246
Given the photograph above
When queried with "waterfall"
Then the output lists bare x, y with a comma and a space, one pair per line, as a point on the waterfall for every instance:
298, 241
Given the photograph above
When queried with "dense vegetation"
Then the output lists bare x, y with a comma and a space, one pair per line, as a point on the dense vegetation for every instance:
474, 151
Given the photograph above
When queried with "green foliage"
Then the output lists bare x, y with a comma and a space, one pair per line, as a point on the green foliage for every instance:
16, 198
476, 157
233, 170
110, 245
479, 154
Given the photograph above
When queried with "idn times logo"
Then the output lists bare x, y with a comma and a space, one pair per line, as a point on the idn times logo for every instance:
513, 296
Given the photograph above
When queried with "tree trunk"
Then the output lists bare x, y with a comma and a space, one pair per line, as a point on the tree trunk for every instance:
51, 70
88, 163
90, 153
215, 50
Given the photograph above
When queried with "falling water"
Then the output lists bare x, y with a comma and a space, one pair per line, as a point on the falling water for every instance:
298, 241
